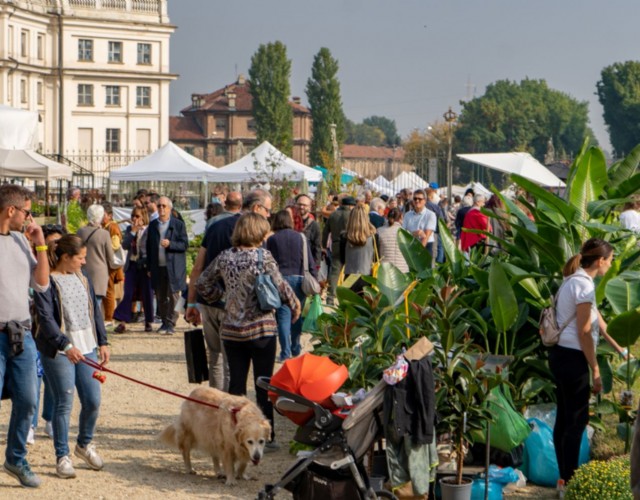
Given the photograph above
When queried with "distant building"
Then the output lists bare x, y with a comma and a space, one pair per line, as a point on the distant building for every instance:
96, 71
372, 161
219, 127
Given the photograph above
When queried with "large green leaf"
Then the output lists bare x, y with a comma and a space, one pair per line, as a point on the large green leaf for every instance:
567, 211
504, 305
392, 282
524, 279
624, 169
613, 271
599, 208
627, 187
589, 180
624, 328
623, 292
606, 373
417, 257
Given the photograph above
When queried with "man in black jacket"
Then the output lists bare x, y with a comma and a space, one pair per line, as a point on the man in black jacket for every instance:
311, 228
167, 245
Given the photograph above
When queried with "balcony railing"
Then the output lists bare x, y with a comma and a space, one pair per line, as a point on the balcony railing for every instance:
141, 6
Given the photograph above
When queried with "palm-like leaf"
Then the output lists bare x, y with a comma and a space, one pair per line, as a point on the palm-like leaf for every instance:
588, 181
623, 170
417, 257
624, 328
504, 305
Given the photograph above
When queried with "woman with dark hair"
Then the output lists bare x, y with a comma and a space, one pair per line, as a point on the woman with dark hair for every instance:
286, 246
71, 329
248, 332
212, 210
575, 353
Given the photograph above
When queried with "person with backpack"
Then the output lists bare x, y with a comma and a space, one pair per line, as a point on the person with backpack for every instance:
575, 352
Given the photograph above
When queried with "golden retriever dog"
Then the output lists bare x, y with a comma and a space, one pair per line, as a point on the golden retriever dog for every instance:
231, 442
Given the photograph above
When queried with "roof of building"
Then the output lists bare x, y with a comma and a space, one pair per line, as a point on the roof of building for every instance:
560, 168
218, 100
185, 128
356, 151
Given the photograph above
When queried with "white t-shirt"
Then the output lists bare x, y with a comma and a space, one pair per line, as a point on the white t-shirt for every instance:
576, 289
425, 220
630, 219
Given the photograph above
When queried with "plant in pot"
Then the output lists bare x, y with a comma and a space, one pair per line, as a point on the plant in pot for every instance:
462, 388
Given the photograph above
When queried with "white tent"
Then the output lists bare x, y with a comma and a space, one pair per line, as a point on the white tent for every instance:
382, 181
31, 165
169, 163
409, 180
378, 188
18, 128
516, 163
266, 164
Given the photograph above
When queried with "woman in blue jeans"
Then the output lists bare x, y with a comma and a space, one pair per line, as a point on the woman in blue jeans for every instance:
286, 247
70, 330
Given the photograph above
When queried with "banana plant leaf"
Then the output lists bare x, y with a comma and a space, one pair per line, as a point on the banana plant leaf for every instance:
624, 169
515, 210
561, 206
599, 208
392, 282
504, 305
627, 188
605, 407
606, 373
613, 271
524, 279
417, 257
588, 181
633, 366
623, 292
624, 328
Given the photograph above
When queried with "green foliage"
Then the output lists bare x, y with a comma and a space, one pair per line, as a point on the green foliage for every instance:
365, 135
600, 479
388, 127
323, 93
619, 93
523, 116
269, 86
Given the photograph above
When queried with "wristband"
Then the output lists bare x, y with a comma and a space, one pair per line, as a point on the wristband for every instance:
192, 304
68, 347
42, 248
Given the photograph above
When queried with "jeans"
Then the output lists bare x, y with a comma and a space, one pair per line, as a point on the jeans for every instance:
289, 334
47, 402
440, 250
20, 373
63, 377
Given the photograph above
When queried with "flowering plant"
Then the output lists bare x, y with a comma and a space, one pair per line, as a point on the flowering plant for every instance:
600, 479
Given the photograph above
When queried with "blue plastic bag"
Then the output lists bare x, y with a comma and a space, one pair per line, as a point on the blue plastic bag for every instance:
477, 490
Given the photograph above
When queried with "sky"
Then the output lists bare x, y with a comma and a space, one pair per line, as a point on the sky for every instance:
408, 60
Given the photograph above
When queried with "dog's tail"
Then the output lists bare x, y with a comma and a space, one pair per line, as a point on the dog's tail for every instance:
168, 436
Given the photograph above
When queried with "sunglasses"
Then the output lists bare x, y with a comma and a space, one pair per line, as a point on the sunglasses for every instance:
27, 213
162, 205
418, 199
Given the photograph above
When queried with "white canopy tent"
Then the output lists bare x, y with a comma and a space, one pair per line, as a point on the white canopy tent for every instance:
169, 163
18, 128
382, 181
266, 164
409, 180
516, 163
31, 165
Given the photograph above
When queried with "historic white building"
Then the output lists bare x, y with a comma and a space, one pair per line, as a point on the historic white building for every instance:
97, 72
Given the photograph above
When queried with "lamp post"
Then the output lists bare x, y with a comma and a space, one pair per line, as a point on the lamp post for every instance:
450, 117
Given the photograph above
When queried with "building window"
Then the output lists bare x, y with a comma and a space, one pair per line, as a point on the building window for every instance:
251, 124
190, 150
40, 92
24, 43
144, 53
113, 95
113, 140
143, 97
40, 46
221, 150
221, 123
10, 44
23, 92
115, 52
85, 94
85, 50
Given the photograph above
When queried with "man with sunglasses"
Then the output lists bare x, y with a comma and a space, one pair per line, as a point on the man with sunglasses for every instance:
421, 222
17, 347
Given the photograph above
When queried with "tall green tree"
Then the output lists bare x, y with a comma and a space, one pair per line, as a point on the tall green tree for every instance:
387, 126
523, 116
619, 94
269, 86
323, 94
364, 135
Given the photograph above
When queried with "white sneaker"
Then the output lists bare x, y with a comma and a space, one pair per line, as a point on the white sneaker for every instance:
90, 456
64, 468
31, 437
48, 429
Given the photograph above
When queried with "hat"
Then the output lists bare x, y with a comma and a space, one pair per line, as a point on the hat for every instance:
349, 201
433, 185
384, 197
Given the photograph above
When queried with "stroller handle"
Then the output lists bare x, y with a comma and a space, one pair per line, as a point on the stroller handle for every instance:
323, 417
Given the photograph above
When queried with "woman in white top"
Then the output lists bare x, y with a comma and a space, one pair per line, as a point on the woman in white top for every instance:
70, 329
575, 352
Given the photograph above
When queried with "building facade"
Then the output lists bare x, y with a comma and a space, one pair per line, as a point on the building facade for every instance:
96, 71
372, 161
219, 127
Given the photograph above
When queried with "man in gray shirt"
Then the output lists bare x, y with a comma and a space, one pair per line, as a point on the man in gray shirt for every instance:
20, 270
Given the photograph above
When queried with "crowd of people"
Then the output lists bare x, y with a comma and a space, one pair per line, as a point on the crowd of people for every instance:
69, 284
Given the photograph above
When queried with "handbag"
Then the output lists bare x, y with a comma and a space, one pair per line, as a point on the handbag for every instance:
549, 329
266, 290
119, 258
310, 285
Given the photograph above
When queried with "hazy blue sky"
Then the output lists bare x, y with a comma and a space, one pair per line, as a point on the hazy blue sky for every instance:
408, 60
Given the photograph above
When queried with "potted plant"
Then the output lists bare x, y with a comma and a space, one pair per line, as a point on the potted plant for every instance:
462, 388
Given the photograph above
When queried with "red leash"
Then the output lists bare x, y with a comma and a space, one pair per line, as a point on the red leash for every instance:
97, 366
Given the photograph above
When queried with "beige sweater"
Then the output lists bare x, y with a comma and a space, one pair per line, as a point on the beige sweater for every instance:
99, 257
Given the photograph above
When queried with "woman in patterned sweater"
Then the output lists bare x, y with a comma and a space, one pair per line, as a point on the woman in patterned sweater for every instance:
249, 334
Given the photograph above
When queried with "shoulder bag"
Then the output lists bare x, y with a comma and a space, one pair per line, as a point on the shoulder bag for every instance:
266, 290
310, 285
549, 329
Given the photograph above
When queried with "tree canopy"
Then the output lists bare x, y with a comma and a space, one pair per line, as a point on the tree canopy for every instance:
619, 94
523, 116
373, 131
323, 93
269, 78
388, 127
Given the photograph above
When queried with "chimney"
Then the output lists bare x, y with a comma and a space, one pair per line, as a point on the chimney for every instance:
231, 96
241, 79
296, 100
196, 101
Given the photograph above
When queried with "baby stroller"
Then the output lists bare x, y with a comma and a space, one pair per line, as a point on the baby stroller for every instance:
341, 438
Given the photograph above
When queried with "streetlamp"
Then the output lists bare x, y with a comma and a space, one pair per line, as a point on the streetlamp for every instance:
450, 117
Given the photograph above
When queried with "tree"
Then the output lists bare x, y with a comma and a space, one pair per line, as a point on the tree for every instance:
420, 147
619, 94
365, 135
387, 126
523, 116
269, 86
323, 93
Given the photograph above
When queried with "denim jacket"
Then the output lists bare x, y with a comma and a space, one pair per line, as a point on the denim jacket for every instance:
50, 331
